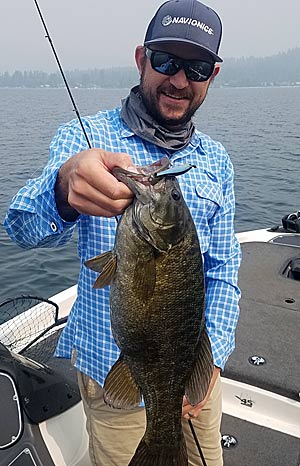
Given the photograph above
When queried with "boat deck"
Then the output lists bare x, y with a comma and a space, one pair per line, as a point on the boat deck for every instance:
269, 324
268, 329
259, 446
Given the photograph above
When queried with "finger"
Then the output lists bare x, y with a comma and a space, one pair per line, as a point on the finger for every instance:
87, 207
189, 411
90, 201
195, 411
185, 410
116, 159
185, 401
188, 415
110, 161
97, 175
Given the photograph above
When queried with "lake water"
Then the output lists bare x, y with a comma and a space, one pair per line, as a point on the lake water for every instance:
260, 129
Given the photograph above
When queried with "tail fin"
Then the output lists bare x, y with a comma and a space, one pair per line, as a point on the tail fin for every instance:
160, 456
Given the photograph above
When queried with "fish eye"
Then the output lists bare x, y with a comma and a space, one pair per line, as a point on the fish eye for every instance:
176, 195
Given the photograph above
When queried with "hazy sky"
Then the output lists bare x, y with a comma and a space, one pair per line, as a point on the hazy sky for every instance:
101, 33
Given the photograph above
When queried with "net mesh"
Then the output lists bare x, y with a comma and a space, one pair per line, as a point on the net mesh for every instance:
29, 326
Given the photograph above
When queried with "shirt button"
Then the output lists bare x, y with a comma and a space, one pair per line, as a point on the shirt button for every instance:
53, 227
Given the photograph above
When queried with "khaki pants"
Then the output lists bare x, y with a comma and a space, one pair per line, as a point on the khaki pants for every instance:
114, 433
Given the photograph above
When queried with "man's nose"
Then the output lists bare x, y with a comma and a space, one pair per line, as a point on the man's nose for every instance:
179, 80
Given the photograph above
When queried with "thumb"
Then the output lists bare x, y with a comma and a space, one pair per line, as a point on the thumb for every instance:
117, 159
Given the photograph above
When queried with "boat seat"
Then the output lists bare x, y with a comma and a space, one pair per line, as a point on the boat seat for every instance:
269, 324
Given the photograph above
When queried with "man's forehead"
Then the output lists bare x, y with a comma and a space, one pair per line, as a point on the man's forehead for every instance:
183, 50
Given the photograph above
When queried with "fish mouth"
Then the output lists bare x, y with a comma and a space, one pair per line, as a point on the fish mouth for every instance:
150, 174
143, 176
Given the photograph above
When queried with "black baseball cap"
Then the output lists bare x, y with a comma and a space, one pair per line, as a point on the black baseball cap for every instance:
187, 21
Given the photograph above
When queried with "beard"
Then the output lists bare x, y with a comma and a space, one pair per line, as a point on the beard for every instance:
151, 97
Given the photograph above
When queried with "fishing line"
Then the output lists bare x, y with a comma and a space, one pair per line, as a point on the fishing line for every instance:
197, 442
62, 73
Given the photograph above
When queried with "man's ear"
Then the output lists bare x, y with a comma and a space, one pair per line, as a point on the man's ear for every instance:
139, 57
216, 71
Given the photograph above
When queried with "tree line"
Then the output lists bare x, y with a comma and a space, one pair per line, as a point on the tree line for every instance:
280, 69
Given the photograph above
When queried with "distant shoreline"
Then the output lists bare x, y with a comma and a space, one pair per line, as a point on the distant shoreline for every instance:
267, 86
281, 70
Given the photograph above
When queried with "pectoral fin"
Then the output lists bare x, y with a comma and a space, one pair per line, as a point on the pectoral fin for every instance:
105, 264
197, 385
144, 278
120, 388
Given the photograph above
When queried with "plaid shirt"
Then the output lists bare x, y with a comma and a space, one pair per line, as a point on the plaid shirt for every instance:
33, 221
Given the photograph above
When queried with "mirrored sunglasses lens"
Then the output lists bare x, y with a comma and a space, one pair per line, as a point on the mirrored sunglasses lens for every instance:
164, 63
199, 71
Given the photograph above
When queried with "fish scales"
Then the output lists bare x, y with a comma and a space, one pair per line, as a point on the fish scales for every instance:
157, 316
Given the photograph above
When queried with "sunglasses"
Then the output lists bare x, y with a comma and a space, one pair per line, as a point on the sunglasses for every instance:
165, 63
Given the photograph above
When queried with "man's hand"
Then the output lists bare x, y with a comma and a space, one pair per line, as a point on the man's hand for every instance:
189, 411
85, 184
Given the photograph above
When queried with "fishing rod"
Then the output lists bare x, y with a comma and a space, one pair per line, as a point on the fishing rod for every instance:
64, 78
196, 440
62, 73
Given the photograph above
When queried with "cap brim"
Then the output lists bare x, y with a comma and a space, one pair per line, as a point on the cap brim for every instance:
165, 40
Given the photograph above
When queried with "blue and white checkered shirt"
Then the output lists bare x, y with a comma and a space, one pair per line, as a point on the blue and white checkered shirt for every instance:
33, 221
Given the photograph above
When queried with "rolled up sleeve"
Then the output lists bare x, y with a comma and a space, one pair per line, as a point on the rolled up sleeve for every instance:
32, 219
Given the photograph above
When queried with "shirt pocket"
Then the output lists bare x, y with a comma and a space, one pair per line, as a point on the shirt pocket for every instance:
208, 200
209, 190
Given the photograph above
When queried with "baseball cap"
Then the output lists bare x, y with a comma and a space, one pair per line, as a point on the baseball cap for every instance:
186, 21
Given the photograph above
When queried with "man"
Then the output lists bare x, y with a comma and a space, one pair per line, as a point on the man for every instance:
177, 63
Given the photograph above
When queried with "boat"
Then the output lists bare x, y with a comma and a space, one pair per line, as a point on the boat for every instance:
42, 419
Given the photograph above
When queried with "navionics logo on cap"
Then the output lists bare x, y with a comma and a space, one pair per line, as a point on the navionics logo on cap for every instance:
168, 20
